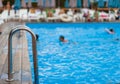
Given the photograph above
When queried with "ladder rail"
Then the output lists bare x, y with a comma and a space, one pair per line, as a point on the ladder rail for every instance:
10, 65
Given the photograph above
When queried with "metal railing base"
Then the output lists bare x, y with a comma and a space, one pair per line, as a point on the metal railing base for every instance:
10, 57
9, 80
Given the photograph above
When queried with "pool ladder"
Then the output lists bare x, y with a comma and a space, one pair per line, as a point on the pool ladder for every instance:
10, 57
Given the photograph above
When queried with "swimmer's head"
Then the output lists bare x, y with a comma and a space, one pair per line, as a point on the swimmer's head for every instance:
37, 37
117, 39
62, 38
111, 30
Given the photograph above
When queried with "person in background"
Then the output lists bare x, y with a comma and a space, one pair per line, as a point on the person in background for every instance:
62, 39
8, 7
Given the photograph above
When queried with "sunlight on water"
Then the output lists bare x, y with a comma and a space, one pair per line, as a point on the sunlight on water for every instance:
90, 57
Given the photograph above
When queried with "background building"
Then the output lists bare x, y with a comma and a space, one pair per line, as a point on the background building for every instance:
68, 3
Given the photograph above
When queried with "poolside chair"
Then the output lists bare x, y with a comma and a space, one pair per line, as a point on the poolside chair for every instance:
4, 15
91, 13
70, 12
85, 10
43, 15
69, 15
111, 17
23, 14
103, 16
57, 11
17, 15
55, 16
33, 15
12, 14
117, 13
1, 21
78, 17
86, 14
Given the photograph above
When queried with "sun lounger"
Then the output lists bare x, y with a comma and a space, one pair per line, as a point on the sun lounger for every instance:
85, 10
92, 14
103, 16
57, 11
78, 17
1, 21
55, 16
17, 15
34, 15
12, 14
70, 12
23, 14
4, 15
111, 17
43, 15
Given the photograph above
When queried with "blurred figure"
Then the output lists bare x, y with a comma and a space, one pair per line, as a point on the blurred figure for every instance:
110, 31
8, 7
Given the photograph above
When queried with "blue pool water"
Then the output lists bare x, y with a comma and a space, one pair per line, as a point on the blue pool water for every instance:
91, 56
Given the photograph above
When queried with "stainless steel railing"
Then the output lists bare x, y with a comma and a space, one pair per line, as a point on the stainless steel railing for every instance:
10, 64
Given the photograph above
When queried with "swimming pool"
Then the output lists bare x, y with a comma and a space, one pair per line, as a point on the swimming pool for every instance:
91, 56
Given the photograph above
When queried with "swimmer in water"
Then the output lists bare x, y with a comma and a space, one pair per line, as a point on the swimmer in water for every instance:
110, 31
62, 39
37, 37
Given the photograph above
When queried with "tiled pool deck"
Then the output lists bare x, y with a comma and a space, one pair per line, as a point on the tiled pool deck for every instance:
21, 64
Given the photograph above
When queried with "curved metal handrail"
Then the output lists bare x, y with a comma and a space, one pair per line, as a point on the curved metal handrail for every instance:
10, 65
